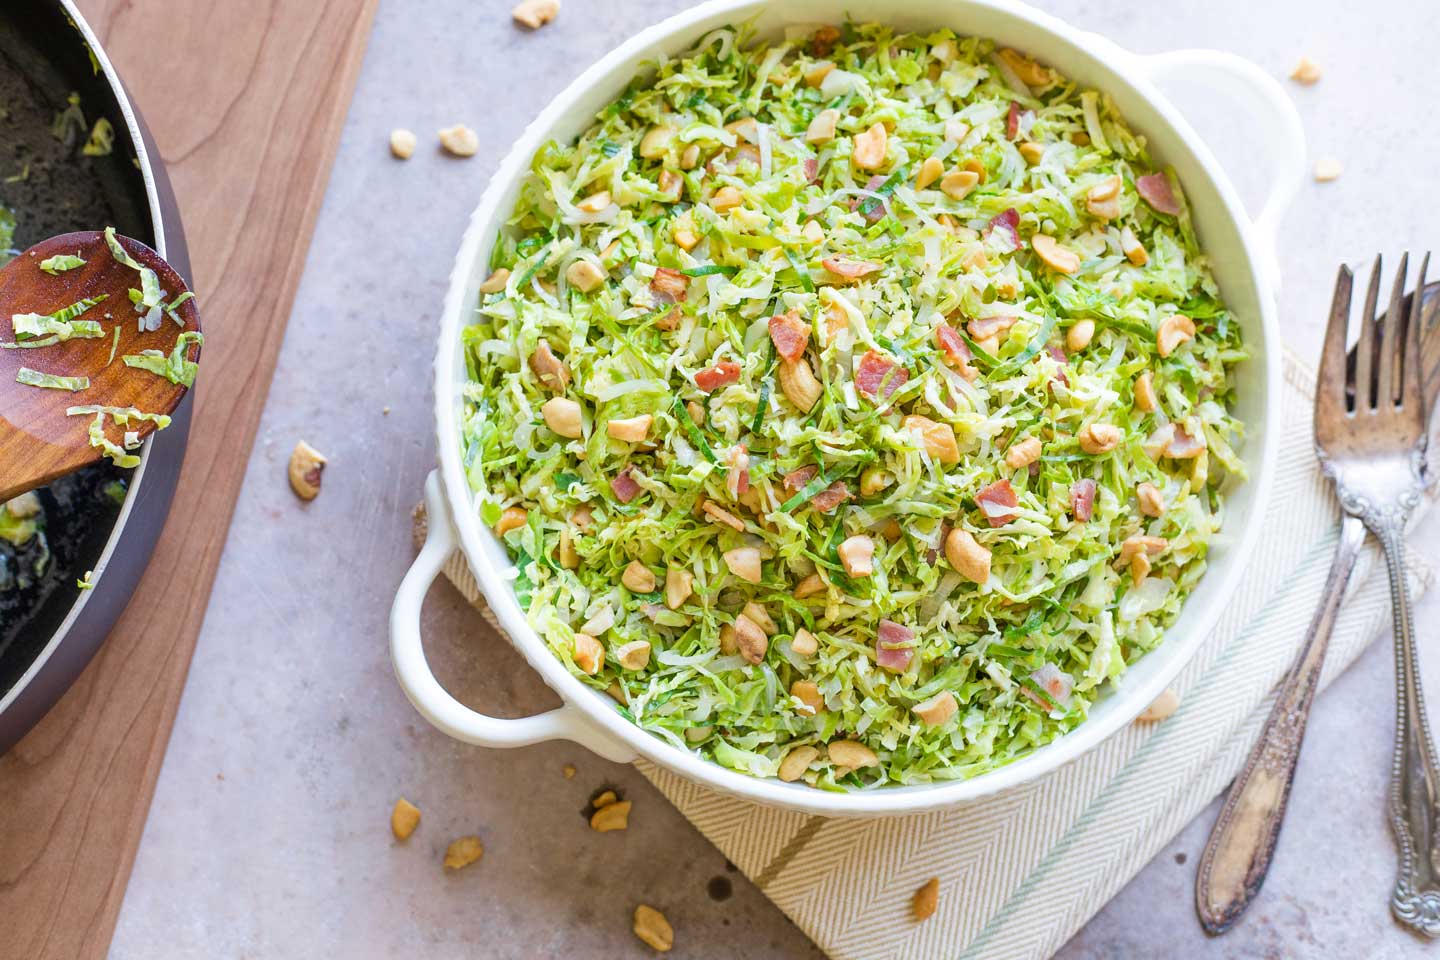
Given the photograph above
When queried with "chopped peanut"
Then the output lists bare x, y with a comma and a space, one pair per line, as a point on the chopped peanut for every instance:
536, 13
459, 140
638, 578
869, 150
937, 709
1139, 568
967, 556
1030, 73
569, 771
588, 654
305, 470
634, 655
1145, 399
652, 928
744, 562
1024, 453
679, 584
569, 559
463, 852
550, 369
562, 415
718, 514
726, 198
1152, 502
927, 899
1054, 255
1163, 706
1080, 334
1307, 71
1103, 199
1174, 330
851, 754
630, 430
857, 554
656, 142
798, 383
761, 618
1098, 438
690, 157
404, 819
1141, 544
402, 143
1328, 169
1133, 249
938, 439
809, 587
750, 639
816, 75
957, 184
511, 518
796, 762
670, 183
682, 231
930, 171
595, 202
612, 816
1032, 152
809, 694
585, 275
804, 643
873, 480
496, 281
822, 128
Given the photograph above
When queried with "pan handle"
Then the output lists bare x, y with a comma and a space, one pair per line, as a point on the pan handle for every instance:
407, 654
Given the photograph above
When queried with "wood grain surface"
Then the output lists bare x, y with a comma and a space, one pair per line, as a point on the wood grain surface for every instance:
246, 101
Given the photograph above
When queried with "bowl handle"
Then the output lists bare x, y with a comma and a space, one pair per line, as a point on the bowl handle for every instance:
1282, 136
407, 654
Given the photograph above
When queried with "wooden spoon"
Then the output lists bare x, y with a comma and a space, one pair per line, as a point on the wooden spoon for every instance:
39, 441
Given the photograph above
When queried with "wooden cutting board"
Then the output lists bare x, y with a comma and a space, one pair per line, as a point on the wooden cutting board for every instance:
246, 102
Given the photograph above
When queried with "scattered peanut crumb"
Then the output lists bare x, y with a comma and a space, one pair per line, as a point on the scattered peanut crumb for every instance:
460, 140
569, 771
402, 143
612, 816
536, 13
927, 899
1327, 169
652, 927
604, 799
306, 466
404, 819
385, 411
463, 852
1307, 71
1165, 704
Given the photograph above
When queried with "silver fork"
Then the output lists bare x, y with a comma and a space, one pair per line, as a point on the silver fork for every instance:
1370, 435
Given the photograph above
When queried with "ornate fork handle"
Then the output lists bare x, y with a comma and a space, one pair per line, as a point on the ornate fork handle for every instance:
1415, 781
1238, 853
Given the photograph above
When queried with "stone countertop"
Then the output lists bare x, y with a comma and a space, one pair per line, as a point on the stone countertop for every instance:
269, 833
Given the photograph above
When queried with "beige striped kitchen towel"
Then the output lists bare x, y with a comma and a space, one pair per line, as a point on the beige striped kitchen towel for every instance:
1021, 872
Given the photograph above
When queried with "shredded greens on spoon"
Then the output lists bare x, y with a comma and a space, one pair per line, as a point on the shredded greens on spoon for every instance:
856, 407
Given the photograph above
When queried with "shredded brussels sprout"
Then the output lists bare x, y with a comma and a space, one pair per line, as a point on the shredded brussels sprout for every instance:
876, 382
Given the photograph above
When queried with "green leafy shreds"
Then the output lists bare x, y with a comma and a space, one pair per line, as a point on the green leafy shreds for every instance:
69, 123
114, 346
51, 381
60, 263
176, 367
1025, 654
122, 416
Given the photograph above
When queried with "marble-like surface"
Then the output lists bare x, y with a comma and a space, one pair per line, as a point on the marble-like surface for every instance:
268, 836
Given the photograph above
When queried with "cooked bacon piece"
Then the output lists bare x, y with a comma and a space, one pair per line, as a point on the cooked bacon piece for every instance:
1008, 225
1059, 356
722, 374
876, 373
669, 285
823, 40
849, 269
831, 497
1082, 499
956, 351
893, 650
1056, 683
737, 481
1154, 189
795, 480
812, 170
1012, 121
875, 209
623, 485
1182, 446
998, 503
790, 334
987, 327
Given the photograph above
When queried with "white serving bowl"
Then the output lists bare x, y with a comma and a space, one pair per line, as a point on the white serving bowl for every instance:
1244, 265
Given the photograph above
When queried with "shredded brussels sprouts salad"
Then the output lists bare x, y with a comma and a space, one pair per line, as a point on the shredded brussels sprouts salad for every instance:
854, 407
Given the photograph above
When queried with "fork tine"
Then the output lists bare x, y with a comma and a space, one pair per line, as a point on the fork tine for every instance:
1392, 339
1330, 387
1365, 346
1412, 385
